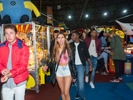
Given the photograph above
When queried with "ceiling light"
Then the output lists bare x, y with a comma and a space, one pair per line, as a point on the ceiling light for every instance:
86, 15
105, 14
124, 11
69, 16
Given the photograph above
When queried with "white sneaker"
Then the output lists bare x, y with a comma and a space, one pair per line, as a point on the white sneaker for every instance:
92, 85
86, 79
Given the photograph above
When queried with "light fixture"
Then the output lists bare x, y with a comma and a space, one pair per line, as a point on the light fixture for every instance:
105, 14
86, 15
69, 16
124, 11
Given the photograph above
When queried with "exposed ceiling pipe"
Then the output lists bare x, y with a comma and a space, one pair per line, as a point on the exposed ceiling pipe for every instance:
82, 11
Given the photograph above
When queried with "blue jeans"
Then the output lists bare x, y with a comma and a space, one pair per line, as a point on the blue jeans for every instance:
94, 66
87, 68
80, 80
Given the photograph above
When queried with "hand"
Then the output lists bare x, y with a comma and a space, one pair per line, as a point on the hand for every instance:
73, 80
44, 68
5, 72
90, 67
4, 78
106, 48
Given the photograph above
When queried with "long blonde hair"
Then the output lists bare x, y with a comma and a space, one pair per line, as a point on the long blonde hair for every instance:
55, 54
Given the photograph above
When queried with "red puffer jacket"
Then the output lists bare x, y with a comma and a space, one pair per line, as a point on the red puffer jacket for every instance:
20, 58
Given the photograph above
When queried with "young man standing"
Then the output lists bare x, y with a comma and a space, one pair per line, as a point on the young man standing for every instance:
94, 48
14, 57
81, 54
56, 32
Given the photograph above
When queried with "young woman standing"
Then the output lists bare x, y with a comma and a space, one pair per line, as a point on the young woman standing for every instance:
66, 72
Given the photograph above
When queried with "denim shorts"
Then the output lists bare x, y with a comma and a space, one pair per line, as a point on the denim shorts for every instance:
63, 71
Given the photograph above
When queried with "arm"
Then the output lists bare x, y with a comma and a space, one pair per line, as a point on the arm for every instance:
99, 47
72, 63
23, 63
88, 56
112, 43
2, 67
72, 68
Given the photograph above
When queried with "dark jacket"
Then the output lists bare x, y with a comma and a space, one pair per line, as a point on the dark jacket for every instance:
72, 67
51, 47
97, 42
82, 50
117, 48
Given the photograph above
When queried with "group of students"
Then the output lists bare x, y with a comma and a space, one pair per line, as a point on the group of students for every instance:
71, 58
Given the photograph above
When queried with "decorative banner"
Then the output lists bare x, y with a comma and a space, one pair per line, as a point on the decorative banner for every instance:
126, 27
24, 28
49, 15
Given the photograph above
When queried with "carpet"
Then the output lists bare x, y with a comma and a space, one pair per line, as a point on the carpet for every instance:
105, 91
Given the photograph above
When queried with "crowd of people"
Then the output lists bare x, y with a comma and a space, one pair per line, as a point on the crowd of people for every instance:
82, 55
89, 53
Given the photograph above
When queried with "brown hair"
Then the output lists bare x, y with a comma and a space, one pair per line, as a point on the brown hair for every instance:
55, 54
11, 26
112, 32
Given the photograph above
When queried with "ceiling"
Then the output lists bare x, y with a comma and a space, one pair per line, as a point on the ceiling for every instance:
94, 8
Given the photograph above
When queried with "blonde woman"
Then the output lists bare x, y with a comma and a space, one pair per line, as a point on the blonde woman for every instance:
66, 72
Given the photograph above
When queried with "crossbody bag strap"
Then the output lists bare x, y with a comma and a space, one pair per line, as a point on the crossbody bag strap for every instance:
58, 62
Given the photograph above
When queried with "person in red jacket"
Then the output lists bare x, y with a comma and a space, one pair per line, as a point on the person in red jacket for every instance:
14, 57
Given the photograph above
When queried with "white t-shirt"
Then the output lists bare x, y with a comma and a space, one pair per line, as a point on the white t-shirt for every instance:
77, 59
92, 48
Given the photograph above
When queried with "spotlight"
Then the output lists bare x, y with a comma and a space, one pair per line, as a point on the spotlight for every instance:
69, 16
124, 11
86, 15
105, 14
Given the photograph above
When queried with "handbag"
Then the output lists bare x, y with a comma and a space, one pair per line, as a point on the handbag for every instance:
53, 76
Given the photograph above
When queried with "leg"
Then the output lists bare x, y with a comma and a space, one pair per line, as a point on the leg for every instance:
94, 65
106, 67
61, 84
20, 92
80, 80
67, 81
117, 65
86, 69
120, 69
7, 93
86, 72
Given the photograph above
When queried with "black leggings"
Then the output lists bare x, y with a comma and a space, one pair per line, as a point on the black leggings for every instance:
118, 68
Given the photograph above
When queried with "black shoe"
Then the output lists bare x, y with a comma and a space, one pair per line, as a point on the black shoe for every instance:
83, 99
77, 96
